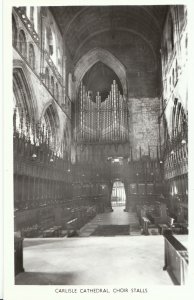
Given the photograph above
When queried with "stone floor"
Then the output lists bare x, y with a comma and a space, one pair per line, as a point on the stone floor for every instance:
119, 260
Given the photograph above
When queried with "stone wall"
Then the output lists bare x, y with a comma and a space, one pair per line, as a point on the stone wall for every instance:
143, 125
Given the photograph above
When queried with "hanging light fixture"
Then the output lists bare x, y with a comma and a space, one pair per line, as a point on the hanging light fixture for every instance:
34, 155
172, 152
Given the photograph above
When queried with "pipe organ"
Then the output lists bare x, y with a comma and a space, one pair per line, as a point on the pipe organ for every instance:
101, 121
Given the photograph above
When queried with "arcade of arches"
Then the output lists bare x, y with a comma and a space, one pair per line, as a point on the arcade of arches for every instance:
99, 125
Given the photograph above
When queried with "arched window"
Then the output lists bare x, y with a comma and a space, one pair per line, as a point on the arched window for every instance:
47, 77
14, 32
57, 92
22, 43
31, 56
52, 85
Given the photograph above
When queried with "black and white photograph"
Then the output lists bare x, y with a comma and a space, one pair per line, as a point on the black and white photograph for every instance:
99, 143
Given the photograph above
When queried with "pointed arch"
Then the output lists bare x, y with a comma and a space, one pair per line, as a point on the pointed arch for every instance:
50, 120
92, 57
23, 94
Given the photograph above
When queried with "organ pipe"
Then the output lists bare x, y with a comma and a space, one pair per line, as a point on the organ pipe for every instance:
102, 121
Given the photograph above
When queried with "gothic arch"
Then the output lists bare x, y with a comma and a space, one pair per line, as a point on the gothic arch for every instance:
50, 104
23, 92
50, 120
104, 56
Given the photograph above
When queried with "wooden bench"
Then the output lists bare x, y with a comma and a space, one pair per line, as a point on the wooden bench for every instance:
72, 227
49, 233
175, 259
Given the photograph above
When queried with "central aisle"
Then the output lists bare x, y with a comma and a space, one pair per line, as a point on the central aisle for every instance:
117, 217
124, 260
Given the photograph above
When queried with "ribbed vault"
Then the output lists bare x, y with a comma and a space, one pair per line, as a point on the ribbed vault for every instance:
79, 24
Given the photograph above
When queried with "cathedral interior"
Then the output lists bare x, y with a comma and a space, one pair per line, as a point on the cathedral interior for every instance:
100, 144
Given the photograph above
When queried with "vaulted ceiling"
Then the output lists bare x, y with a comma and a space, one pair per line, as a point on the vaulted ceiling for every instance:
132, 34
80, 24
